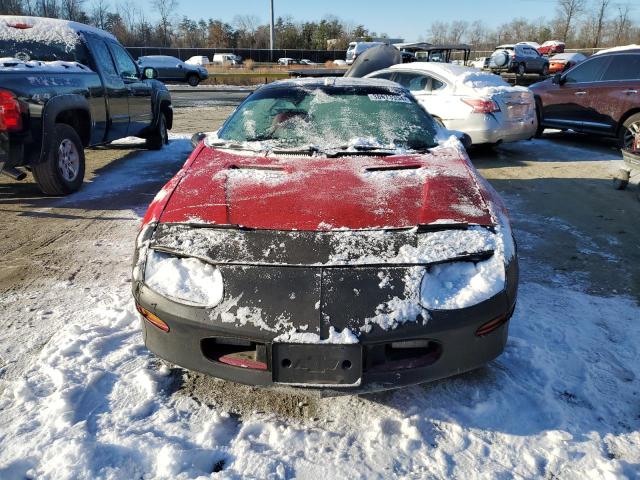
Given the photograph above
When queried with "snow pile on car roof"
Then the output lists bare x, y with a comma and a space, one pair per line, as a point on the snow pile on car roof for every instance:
485, 83
45, 30
619, 49
14, 64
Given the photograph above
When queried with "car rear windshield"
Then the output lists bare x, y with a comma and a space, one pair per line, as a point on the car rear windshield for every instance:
26, 50
332, 117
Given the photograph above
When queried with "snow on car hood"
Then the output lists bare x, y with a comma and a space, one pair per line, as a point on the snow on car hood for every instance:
292, 192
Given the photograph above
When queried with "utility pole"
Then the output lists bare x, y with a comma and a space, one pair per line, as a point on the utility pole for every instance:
272, 32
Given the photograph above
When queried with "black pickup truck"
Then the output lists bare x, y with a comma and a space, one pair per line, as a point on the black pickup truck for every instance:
65, 86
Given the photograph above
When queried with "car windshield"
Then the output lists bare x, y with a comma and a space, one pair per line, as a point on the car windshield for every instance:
46, 52
332, 117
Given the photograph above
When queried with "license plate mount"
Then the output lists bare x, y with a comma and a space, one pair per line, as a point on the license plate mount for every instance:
322, 365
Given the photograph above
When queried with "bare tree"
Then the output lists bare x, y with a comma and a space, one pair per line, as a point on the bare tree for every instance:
438, 32
165, 8
568, 11
457, 30
601, 16
99, 12
622, 24
72, 10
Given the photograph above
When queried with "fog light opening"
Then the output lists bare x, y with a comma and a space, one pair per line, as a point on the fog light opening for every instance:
235, 352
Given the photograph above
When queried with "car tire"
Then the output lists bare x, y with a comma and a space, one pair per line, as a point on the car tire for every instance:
629, 128
193, 80
62, 170
159, 137
545, 71
521, 69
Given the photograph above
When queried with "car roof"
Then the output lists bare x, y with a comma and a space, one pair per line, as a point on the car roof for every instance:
334, 82
54, 27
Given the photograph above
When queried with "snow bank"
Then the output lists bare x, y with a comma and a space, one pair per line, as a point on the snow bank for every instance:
186, 279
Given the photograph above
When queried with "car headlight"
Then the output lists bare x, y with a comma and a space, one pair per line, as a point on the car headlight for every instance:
456, 285
187, 280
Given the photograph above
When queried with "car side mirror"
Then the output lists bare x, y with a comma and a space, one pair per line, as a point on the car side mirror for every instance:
150, 73
196, 138
557, 79
179, 65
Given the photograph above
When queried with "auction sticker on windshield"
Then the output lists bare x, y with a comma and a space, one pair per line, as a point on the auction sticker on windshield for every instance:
378, 97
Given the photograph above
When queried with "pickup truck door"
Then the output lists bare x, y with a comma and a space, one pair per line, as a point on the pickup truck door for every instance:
139, 91
116, 93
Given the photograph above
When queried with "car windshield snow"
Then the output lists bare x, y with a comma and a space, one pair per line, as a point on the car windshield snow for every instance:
332, 118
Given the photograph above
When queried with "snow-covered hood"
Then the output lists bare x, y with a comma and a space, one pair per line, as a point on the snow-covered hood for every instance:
319, 193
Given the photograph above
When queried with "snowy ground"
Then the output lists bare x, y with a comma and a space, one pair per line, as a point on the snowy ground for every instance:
85, 399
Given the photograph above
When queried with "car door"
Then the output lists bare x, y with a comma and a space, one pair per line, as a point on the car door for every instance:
116, 92
617, 93
567, 104
138, 91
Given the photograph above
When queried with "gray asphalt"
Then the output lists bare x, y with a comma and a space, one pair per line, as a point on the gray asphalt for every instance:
204, 98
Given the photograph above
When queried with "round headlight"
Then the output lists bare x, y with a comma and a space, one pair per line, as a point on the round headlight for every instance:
187, 280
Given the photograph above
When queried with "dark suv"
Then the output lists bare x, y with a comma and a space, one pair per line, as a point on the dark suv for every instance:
599, 96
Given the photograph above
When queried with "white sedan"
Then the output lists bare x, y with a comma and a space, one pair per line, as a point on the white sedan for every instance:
477, 103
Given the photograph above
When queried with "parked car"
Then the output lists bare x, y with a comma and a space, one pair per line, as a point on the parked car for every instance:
479, 104
480, 63
172, 69
227, 58
407, 57
62, 93
564, 61
288, 61
600, 96
306, 61
198, 60
551, 47
356, 48
518, 58
331, 243
534, 45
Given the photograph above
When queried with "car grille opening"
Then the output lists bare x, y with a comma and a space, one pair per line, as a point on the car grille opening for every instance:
235, 352
402, 355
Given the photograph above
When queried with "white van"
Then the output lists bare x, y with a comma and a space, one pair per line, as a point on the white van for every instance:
221, 58
356, 48
198, 60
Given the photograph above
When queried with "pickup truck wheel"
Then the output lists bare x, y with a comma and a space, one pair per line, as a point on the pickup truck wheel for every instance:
62, 170
193, 80
521, 69
159, 137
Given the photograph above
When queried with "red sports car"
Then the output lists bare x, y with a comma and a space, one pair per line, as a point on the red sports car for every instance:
328, 237
551, 47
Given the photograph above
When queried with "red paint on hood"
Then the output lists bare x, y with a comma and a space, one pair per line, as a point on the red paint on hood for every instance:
306, 193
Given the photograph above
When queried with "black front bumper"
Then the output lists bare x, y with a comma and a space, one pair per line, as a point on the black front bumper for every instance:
450, 343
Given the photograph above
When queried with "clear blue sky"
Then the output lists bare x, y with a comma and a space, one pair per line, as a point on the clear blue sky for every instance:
407, 19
